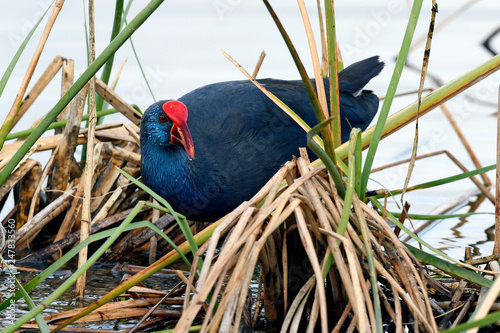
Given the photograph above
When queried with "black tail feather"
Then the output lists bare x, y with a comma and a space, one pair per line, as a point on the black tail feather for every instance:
353, 78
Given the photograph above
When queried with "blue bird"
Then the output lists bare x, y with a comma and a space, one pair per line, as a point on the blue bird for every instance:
237, 138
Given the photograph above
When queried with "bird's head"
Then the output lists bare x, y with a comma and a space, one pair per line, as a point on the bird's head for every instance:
165, 123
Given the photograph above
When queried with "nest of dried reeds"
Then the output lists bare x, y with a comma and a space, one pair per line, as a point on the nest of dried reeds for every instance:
50, 217
260, 239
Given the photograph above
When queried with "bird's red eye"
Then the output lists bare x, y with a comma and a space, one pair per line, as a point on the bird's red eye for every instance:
163, 118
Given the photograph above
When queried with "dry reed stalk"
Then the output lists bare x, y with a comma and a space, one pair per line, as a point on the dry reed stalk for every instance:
103, 128
248, 258
44, 143
313, 195
127, 155
397, 289
226, 323
64, 154
259, 63
351, 288
36, 194
112, 314
113, 136
402, 218
387, 305
210, 247
112, 98
343, 318
465, 310
151, 293
146, 315
26, 196
73, 212
16, 176
233, 288
437, 285
296, 307
352, 325
350, 278
259, 245
74, 215
192, 273
89, 163
285, 265
118, 73
105, 209
47, 76
423, 73
8, 122
311, 253
314, 310
315, 60
22, 170
43, 217
129, 196
366, 287
112, 306
295, 325
407, 281
402, 251
270, 296
486, 298
6, 159
368, 239
133, 133
454, 301
51, 142
68, 74
399, 311
324, 45
111, 175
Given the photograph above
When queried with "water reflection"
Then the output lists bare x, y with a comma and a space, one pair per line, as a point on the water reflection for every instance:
454, 234
100, 280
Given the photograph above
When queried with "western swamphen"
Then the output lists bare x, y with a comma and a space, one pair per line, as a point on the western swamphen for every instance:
237, 138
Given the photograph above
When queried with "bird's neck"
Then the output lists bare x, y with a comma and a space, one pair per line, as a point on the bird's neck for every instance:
171, 168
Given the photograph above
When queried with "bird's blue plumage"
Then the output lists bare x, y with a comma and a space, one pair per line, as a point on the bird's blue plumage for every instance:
241, 138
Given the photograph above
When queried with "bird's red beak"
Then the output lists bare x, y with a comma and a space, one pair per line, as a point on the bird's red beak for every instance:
179, 134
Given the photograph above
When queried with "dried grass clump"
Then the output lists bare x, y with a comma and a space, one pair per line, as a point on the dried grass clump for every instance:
54, 211
261, 239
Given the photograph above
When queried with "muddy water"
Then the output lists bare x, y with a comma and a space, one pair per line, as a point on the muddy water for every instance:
101, 279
